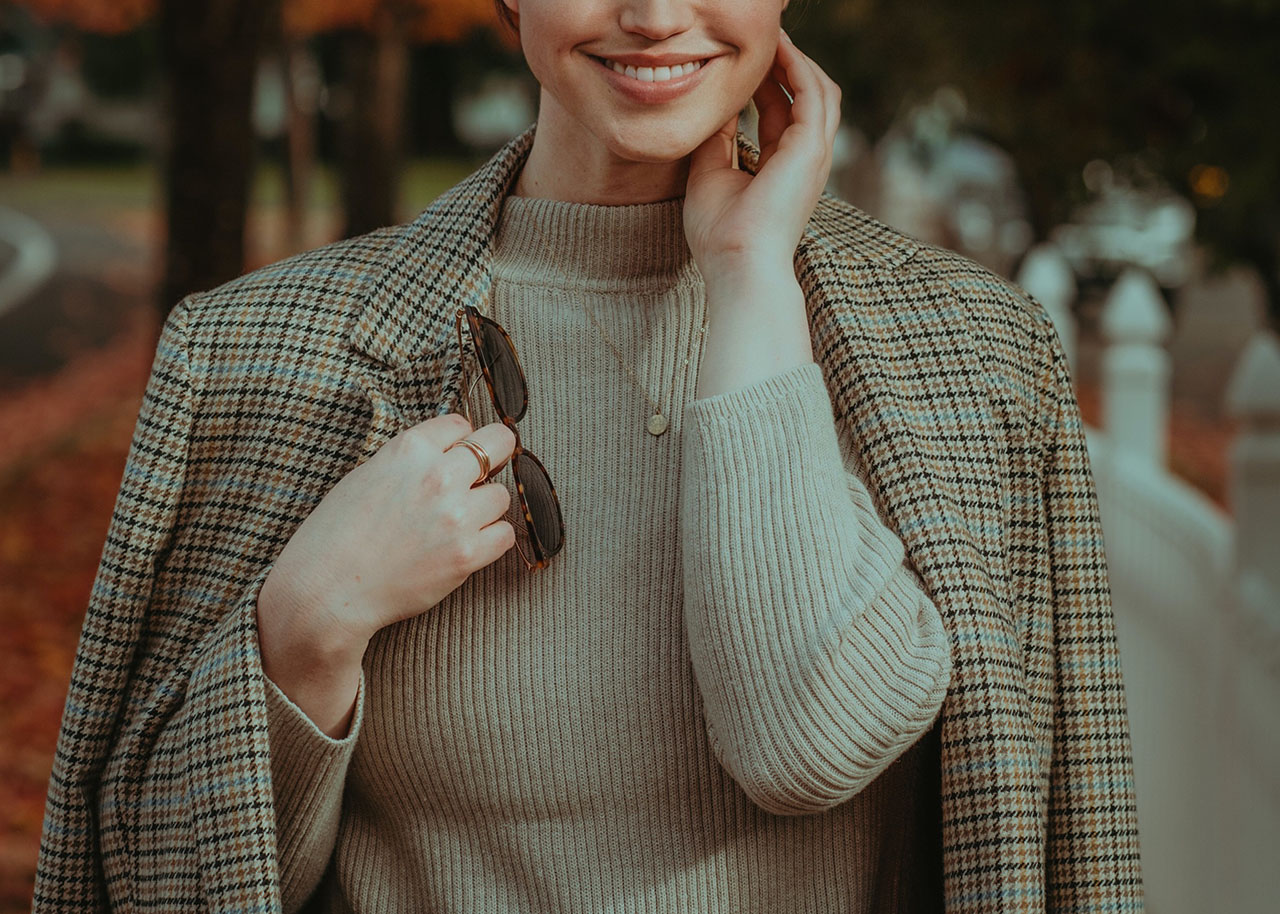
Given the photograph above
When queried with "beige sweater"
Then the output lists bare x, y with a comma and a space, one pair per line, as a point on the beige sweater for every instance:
695, 707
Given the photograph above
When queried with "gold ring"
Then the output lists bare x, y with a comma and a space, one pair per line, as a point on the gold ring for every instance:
481, 456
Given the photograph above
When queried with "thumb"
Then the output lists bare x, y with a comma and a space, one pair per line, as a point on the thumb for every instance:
717, 151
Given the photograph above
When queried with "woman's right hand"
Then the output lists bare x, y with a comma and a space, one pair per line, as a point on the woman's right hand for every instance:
391, 540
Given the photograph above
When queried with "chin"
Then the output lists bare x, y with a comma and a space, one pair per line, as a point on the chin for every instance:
655, 146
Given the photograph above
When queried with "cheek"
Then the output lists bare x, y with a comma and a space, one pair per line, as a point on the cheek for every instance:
749, 74
755, 33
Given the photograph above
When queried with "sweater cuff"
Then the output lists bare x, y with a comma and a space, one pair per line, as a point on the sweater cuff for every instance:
308, 773
801, 386
304, 750
796, 402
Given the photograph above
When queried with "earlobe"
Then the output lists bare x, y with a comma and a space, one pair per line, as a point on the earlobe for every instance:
513, 5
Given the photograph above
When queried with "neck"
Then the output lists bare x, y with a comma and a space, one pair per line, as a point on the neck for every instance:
561, 167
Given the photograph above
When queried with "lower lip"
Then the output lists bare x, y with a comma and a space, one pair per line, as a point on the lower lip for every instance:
653, 93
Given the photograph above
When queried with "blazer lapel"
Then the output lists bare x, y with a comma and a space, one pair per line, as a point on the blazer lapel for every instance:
437, 264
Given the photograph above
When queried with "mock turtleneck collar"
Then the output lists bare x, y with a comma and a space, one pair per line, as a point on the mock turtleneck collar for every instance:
591, 247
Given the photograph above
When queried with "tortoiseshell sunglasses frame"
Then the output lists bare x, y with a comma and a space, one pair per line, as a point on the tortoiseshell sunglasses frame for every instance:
541, 557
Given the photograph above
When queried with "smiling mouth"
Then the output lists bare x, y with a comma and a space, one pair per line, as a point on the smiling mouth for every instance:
652, 74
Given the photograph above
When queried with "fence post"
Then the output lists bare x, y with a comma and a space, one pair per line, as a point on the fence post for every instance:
1249, 739
1047, 275
1135, 367
1254, 399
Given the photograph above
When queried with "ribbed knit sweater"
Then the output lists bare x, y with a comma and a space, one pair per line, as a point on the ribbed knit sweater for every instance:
698, 705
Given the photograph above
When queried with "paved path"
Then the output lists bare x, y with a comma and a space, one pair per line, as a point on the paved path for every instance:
67, 288
32, 261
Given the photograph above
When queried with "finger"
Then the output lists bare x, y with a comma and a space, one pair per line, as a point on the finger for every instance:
716, 151
775, 115
492, 542
833, 95
819, 100
779, 75
441, 431
808, 106
490, 503
460, 464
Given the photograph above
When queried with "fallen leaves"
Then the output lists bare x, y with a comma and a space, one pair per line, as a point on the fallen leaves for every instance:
66, 439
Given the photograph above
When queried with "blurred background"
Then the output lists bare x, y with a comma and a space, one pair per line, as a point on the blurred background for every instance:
1120, 160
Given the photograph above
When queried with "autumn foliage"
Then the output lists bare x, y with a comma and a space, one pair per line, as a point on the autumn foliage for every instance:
424, 20
105, 16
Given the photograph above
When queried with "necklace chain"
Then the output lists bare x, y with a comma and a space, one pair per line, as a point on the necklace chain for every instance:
658, 422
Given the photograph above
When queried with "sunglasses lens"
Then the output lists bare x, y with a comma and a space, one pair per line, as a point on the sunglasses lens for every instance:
500, 359
544, 507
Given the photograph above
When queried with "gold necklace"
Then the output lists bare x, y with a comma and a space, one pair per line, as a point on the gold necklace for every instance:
658, 422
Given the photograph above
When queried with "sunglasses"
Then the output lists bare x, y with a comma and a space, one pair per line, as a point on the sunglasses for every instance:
500, 368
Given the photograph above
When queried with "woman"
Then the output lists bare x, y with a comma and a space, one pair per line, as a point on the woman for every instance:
810, 480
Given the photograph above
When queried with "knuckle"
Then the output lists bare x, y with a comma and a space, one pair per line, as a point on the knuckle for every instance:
458, 420
433, 481
418, 439
453, 517
464, 554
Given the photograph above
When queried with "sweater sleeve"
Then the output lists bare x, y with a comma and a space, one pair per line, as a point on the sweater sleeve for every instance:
818, 656
308, 774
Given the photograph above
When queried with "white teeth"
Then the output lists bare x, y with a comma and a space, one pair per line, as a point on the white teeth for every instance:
654, 74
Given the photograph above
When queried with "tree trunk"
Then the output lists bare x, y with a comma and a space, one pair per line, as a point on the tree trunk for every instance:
376, 69
211, 51
433, 86
302, 80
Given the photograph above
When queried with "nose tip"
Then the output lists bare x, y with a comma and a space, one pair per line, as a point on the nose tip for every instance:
656, 19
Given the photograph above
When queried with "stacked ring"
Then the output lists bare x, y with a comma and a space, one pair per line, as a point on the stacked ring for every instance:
475, 448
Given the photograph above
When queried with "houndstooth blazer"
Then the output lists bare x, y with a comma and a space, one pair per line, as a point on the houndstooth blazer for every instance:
267, 391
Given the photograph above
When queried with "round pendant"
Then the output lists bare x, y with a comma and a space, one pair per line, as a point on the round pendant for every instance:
657, 424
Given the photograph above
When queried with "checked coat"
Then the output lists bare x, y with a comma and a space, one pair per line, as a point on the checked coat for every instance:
267, 391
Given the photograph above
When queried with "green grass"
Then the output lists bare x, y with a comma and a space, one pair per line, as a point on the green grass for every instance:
134, 187
115, 187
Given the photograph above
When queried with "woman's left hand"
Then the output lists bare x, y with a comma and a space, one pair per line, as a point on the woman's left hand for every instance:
736, 221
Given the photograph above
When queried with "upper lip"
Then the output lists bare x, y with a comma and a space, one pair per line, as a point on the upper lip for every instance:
652, 60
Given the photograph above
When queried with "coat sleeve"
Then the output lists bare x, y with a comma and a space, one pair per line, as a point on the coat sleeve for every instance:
818, 655
1092, 857
70, 873
160, 794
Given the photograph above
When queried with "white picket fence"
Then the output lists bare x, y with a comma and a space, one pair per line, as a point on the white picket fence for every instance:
1197, 602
